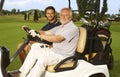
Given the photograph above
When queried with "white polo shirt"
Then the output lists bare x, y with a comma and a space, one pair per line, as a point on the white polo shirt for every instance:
71, 34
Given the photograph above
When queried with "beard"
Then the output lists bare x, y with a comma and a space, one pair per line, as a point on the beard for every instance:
63, 22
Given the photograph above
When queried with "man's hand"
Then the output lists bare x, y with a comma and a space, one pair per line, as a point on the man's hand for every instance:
33, 33
26, 28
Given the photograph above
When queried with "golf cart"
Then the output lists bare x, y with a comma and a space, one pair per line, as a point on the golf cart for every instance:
82, 64
92, 58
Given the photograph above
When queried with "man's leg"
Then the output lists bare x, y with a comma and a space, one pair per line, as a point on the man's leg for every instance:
22, 56
23, 53
46, 57
30, 60
37, 59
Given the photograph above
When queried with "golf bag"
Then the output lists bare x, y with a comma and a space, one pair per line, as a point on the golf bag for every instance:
98, 50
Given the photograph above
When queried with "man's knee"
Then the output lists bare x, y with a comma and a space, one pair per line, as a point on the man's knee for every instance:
19, 45
26, 48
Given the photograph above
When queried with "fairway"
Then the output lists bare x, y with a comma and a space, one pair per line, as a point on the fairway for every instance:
11, 34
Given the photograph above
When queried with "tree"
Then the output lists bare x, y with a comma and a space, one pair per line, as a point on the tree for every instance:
104, 9
119, 11
35, 15
85, 6
25, 16
97, 10
91, 8
80, 7
1, 5
18, 11
13, 11
69, 4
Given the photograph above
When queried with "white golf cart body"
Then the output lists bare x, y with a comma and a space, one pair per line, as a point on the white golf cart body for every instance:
84, 69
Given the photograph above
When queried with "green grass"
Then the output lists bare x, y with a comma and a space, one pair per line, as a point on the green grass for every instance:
11, 35
115, 29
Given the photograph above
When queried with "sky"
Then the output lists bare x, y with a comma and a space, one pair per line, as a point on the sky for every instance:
113, 5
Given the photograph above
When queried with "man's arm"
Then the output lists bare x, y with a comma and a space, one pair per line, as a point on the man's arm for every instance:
48, 36
52, 38
44, 32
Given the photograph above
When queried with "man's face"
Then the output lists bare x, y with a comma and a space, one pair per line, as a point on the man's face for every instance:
50, 15
65, 17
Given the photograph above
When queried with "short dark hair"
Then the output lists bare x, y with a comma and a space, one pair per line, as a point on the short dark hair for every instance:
50, 7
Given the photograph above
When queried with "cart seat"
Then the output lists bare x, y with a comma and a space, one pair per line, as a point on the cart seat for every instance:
72, 64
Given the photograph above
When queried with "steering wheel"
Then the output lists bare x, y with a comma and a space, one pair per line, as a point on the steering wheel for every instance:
30, 37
